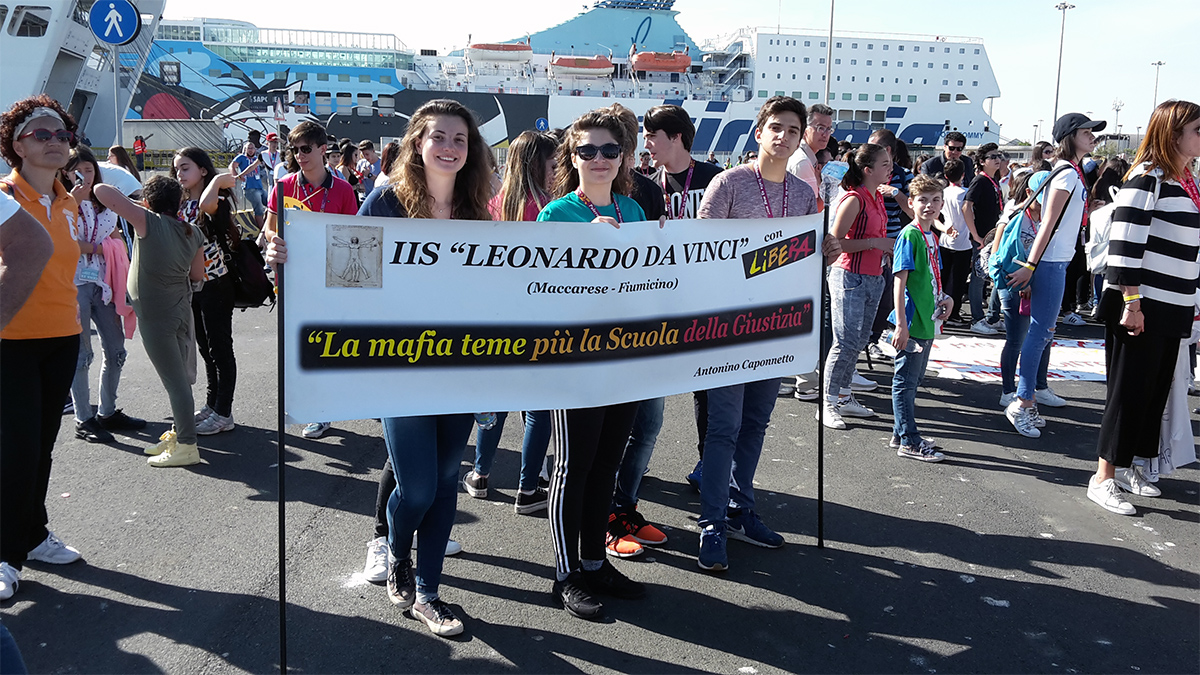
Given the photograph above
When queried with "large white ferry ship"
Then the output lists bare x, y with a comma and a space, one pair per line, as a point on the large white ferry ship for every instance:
364, 85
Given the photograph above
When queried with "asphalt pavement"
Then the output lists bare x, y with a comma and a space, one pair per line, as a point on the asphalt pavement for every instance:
992, 561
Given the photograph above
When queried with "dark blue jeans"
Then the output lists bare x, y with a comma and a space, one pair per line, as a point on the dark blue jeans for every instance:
737, 422
646, 426
908, 375
1017, 327
425, 453
533, 448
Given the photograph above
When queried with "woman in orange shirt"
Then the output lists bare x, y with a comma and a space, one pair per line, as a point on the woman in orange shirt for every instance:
40, 345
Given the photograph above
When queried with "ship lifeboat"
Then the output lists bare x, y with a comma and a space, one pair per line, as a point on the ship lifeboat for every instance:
580, 65
661, 62
514, 53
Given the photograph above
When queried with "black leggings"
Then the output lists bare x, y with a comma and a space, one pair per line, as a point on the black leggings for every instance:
588, 446
1078, 288
387, 484
212, 308
956, 270
35, 377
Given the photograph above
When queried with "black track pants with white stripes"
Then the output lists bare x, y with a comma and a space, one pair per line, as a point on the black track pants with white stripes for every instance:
588, 445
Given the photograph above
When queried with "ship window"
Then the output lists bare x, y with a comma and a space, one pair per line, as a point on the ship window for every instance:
975, 83
344, 77
810, 76
214, 72
845, 115
387, 105
961, 98
862, 97
797, 94
823, 44
976, 51
931, 65
878, 115
258, 75
821, 60
878, 97
364, 78
778, 76
885, 48
960, 66
385, 79
324, 103
806, 59
853, 45
236, 73
916, 48
839, 78
300, 105
365, 103
762, 93
975, 67
322, 77
924, 81
962, 51
943, 98
839, 45
960, 83
808, 43
854, 62
895, 98
813, 94
676, 74
837, 62
870, 46
280, 75
899, 64
30, 21
847, 97
945, 66
900, 47
916, 65
885, 64
779, 93
851, 78
868, 62
862, 115
343, 100
945, 83
947, 50
300, 77
912, 98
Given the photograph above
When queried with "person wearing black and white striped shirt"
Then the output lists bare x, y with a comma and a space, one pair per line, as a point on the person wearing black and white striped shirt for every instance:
1150, 298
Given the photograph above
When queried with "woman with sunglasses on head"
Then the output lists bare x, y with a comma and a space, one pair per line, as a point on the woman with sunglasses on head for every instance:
1148, 306
39, 347
592, 188
1044, 273
100, 279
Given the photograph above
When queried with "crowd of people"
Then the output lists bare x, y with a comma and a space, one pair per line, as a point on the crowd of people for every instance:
908, 243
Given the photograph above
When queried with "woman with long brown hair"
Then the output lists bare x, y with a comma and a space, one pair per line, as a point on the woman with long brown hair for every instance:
119, 156
1148, 305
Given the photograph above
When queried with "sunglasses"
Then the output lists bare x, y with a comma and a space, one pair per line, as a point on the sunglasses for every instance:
955, 148
305, 149
588, 152
44, 135
994, 157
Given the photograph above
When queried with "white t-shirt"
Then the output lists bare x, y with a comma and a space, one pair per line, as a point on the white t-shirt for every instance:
1062, 246
8, 207
280, 171
952, 202
111, 174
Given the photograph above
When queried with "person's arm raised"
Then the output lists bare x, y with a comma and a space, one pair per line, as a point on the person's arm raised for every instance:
133, 213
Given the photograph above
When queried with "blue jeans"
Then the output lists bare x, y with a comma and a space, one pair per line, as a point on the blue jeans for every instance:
737, 422
112, 340
909, 374
1017, 326
425, 453
646, 426
1048, 282
853, 300
257, 199
533, 448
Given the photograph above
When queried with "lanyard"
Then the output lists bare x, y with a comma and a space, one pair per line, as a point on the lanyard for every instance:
299, 188
999, 194
762, 189
1083, 182
595, 212
931, 252
1189, 186
687, 185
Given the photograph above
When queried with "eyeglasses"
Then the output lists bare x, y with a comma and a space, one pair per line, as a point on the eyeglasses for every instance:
994, 156
44, 135
305, 149
955, 148
588, 152
821, 128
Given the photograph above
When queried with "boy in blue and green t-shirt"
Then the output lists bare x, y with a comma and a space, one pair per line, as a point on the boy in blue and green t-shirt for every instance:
916, 268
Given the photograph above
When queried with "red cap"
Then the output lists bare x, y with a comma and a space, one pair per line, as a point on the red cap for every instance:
272, 136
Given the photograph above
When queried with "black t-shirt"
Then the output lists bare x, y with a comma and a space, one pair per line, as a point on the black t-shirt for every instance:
702, 175
648, 195
936, 166
982, 194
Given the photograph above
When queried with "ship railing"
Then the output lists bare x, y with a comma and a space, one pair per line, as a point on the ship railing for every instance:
811, 32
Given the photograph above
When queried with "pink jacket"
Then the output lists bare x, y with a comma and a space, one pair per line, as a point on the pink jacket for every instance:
116, 275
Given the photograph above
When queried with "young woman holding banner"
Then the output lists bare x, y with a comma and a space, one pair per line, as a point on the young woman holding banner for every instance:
442, 172
592, 187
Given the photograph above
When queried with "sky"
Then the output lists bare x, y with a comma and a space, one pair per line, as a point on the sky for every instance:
1108, 46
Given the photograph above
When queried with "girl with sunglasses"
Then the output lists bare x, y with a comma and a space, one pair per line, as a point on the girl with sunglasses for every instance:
592, 187
39, 346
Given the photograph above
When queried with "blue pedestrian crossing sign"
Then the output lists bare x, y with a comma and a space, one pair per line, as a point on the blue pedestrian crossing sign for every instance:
116, 22
542, 124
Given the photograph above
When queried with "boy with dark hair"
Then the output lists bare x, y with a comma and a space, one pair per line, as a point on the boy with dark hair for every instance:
952, 149
919, 301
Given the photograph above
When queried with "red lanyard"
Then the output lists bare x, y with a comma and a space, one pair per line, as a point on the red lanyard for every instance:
596, 212
687, 185
931, 251
762, 188
1189, 186
1083, 182
999, 194
305, 188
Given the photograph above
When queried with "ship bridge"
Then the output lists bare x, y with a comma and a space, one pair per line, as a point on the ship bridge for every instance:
612, 26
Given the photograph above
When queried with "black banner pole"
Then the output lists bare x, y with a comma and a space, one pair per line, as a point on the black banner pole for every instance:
280, 439
821, 396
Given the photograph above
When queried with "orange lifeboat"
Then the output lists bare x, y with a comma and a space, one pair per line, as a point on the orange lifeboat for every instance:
661, 62
579, 65
485, 51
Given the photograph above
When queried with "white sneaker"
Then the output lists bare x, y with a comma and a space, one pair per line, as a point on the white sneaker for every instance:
832, 419
1005, 399
786, 389
10, 578
315, 429
54, 551
807, 394
1022, 420
1048, 398
982, 327
214, 424
1039, 422
376, 569
1131, 480
999, 325
850, 407
860, 383
1073, 319
452, 547
1108, 495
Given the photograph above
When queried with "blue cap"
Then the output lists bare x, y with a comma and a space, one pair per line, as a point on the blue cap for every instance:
1036, 181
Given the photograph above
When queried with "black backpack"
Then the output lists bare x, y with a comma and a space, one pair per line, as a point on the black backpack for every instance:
252, 286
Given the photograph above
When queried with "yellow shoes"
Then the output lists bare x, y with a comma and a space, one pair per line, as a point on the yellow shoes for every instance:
170, 452
165, 443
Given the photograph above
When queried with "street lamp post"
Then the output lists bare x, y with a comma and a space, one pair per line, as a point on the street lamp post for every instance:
1063, 7
1157, 66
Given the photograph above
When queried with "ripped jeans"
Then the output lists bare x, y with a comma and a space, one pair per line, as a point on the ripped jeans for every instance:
1046, 293
92, 309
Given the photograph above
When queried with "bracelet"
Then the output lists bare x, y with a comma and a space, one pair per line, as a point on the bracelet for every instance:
1133, 310
1132, 298
1026, 265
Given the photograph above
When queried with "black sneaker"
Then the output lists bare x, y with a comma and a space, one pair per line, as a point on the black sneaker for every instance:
533, 502
475, 485
573, 594
544, 483
119, 421
401, 586
92, 432
438, 616
608, 580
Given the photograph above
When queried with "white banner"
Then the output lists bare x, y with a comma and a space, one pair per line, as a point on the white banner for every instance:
393, 317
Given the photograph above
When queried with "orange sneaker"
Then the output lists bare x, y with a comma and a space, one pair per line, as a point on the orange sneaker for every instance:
642, 531
622, 547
